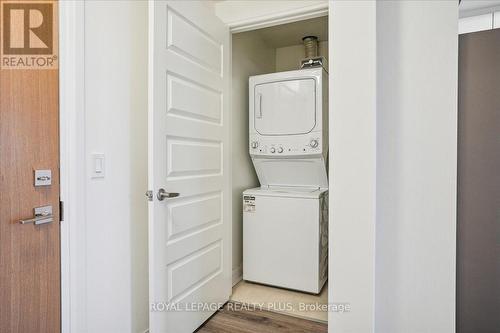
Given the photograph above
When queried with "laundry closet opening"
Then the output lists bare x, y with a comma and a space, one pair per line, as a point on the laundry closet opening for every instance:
279, 125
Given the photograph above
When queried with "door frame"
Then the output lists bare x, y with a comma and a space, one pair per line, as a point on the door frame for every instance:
253, 24
278, 18
73, 164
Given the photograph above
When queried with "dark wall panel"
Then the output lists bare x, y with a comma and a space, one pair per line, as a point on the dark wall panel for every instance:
478, 242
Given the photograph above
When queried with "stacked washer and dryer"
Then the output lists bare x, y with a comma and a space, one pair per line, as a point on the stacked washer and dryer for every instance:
285, 220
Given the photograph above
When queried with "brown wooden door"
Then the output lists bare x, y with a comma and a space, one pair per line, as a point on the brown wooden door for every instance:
29, 140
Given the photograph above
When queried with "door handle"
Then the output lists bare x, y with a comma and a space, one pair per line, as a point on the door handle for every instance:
42, 215
162, 194
259, 115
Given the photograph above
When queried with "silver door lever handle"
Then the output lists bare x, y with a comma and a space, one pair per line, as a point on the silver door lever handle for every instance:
42, 215
162, 194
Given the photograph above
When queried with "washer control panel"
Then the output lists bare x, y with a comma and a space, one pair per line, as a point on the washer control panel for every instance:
272, 146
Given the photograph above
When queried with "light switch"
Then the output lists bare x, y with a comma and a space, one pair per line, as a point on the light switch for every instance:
98, 166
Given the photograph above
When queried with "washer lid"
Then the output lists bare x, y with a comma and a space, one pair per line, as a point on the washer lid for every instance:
297, 172
286, 192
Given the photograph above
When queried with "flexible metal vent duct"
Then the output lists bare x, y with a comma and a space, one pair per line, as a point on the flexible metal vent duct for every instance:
311, 46
311, 59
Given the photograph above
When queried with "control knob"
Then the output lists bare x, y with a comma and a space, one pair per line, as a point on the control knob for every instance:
313, 143
280, 150
255, 144
272, 150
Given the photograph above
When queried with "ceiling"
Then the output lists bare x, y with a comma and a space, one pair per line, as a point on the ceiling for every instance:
472, 5
292, 33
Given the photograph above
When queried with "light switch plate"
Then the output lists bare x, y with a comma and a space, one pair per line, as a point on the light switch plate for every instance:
43, 177
98, 165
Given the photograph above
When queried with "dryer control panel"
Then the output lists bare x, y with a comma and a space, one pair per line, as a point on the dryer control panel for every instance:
310, 144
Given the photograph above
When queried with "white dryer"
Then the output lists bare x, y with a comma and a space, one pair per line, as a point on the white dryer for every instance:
285, 236
288, 127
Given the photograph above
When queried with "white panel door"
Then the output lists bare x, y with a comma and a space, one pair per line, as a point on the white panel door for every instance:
189, 235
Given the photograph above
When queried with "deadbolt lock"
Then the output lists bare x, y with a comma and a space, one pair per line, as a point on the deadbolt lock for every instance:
43, 177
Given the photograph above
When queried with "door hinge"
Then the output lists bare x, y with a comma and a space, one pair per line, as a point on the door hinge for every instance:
61, 211
149, 195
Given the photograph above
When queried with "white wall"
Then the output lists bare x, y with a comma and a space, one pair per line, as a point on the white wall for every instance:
352, 164
251, 56
393, 168
416, 166
116, 125
288, 58
415, 194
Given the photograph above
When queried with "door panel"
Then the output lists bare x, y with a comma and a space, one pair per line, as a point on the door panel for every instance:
193, 157
283, 108
193, 100
29, 253
187, 38
189, 154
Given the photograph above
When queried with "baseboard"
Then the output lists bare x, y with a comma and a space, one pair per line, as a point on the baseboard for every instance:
237, 274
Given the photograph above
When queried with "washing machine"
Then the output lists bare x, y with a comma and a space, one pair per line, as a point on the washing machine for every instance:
284, 220
285, 234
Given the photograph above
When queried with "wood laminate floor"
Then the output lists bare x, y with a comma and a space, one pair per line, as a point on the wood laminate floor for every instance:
231, 319
253, 293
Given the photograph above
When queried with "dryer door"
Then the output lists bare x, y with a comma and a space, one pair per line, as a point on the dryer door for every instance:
285, 107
